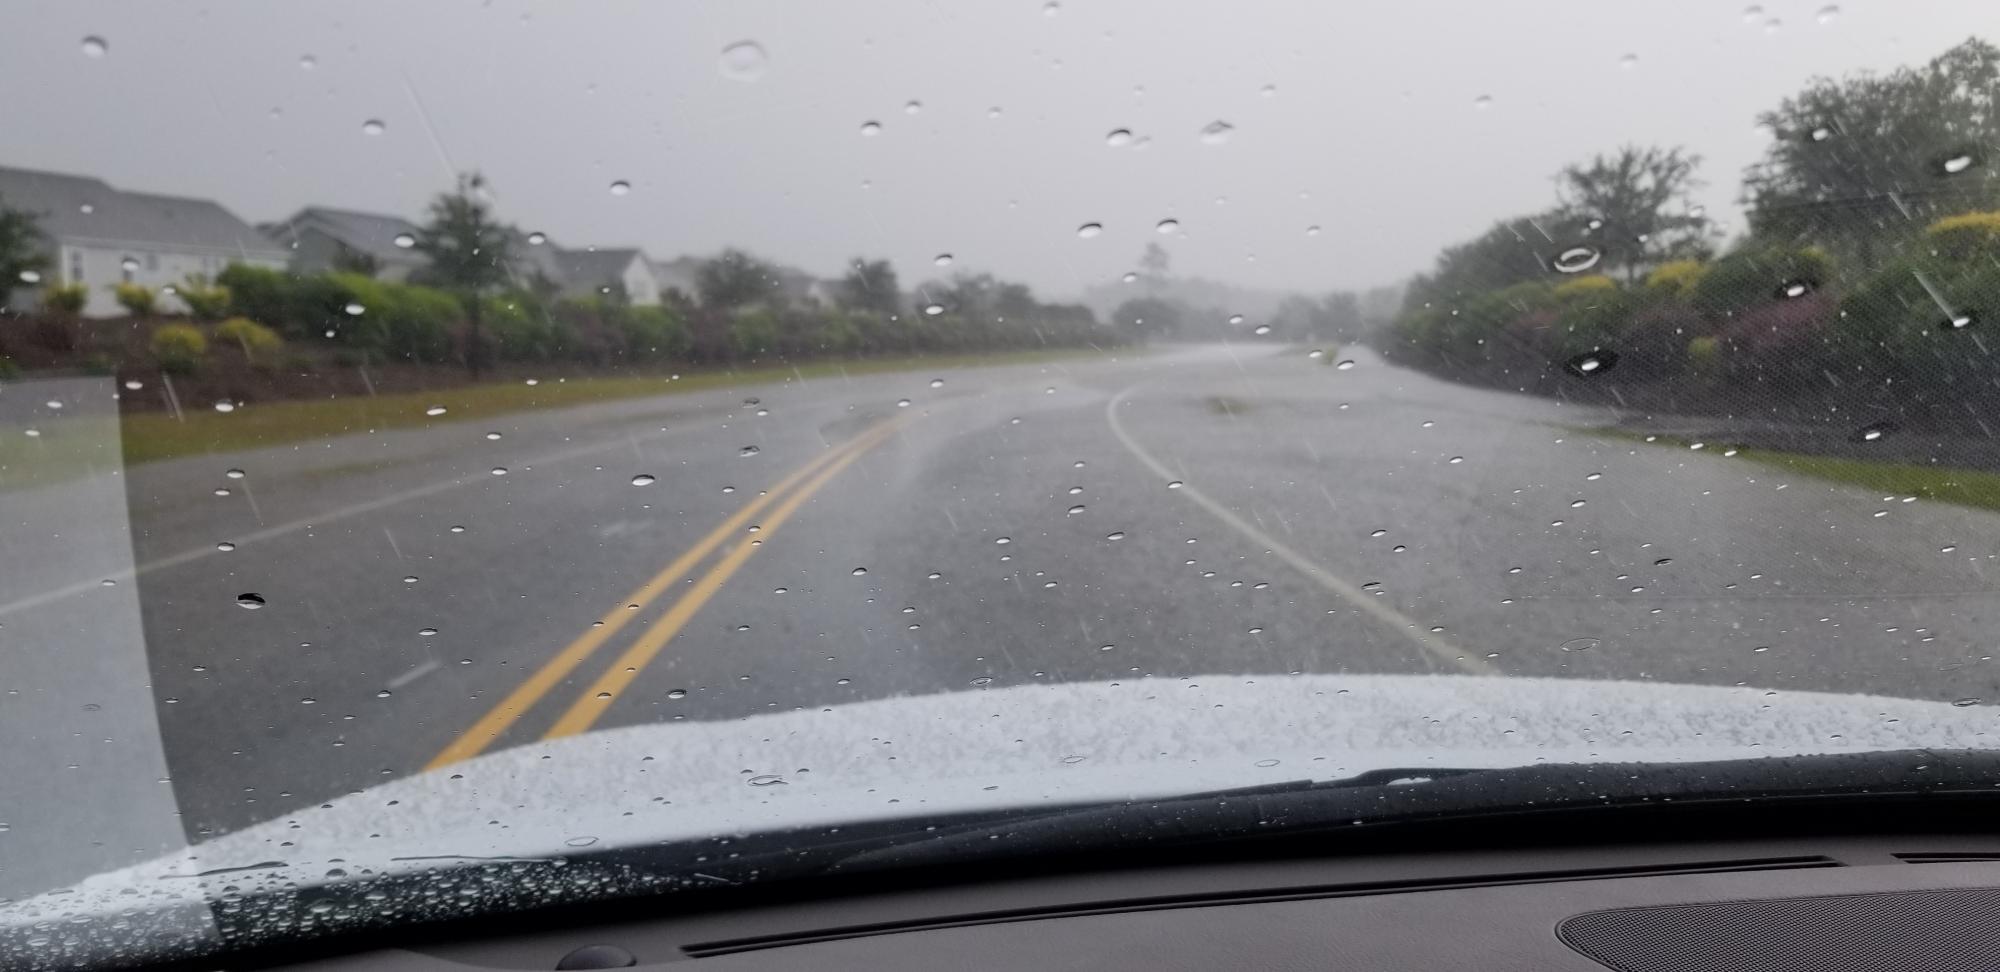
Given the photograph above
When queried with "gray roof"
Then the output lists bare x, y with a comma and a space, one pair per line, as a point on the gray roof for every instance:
371, 233
591, 269
79, 208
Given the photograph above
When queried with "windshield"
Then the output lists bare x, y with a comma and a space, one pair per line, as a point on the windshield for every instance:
453, 432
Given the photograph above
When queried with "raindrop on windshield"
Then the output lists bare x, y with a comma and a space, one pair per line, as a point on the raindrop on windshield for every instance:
1176, 484
1579, 644
95, 46
1955, 164
621, 187
355, 310
767, 779
373, 126
225, 406
1629, 61
748, 450
1483, 102
743, 61
1591, 363
31, 276
250, 602
405, 241
537, 238
499, 470
1576, 259
1959, 322
644, 480
1088, 230
225, 546
234, 474
1118, 137
1827, 14
1261, 329
942, 260
1216, 132
1167, 226
871, 128
677, 693
435, 410
858, 571
933, 310
1347, 365
1965, 703
1791, 289
937, 382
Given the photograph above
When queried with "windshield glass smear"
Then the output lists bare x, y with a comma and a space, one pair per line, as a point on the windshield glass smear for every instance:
445, 451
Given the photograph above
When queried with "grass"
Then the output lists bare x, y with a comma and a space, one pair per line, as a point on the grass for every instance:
1962, 487
153, 436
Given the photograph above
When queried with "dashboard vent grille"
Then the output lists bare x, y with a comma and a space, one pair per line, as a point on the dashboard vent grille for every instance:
811, 936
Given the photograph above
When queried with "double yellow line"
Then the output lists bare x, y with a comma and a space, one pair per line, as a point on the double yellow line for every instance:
592, 701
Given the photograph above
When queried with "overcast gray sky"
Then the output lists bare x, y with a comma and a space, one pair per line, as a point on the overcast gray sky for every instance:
1363, 119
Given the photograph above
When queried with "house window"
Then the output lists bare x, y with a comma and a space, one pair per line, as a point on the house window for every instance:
75, 266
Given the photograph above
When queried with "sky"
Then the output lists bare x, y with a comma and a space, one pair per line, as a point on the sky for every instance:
1359, 138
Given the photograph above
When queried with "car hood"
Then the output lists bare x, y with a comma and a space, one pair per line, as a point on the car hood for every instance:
998, 748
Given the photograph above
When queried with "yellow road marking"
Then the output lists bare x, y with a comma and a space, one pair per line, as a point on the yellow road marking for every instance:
524, 696
594, 700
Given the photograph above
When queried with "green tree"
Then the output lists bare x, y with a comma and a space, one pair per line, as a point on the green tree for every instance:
733, 279
469, 252
1514, 251
22, 247
871, 285
1867, 159
1634, 207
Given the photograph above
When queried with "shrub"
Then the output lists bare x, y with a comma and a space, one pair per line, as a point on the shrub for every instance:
1676, 278
1586, 325
1966, 235
1755, 275
259, 343
753, 333
137, 299
518, 327
263, 295
178, 348
65, 298
1594, 286
655, 332
1704, 356
205, 303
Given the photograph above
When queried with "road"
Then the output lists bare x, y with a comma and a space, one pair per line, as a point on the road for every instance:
431, 593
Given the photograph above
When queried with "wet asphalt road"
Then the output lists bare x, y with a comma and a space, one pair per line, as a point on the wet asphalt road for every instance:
1246, 512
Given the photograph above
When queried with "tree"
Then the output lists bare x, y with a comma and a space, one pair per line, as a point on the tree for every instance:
735, 278
1634, 207
870, 285
21, 247
1142, 318
469, 254
1513, 251
347, 259
1155, 266
1867, 158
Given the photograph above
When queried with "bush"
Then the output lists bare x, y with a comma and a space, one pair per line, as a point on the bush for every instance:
205, 303
1676, 278
655, 332
259, 343
66, 299
178, 348
1965, 236
1704, 356
519, 328
753, 333
1755, 275
137, 299
263, 295
1594, 286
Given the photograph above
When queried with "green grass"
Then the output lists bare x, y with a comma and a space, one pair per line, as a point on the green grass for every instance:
153, 436
1963, 487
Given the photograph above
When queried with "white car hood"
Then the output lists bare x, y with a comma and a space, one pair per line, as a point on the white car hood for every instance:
999, 748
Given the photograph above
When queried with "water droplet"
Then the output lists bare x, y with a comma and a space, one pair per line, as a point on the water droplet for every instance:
31, 276
1118, 137
490, 436
1261, 329
435, 410
129, 263
355, 310
1089, 230
1316, 354
225, 406
1793, 289
1167, 226
1591, 363
1822, 133
620, 187
94, 46
1344, 366
1964, 703
871, 128
1827, 14
1176, 484
858, 571
1312, 231
1051, 8
1959, 322
933, 310
234, 473
743, 61
1629, 61
748, 450
902, 403
1576, 259
1074, 510
499, 470
912, 107
677, 693
1003, 541
1216, 132
1483, 102
250, 602
373, 126
767, 779
1956, 164
937, 382
1129, 277
458, 529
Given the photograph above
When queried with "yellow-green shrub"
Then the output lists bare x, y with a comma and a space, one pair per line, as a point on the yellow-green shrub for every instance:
1676, 277
65, 298
178, 348
136, 298
259, 343
1594, 286
1705, 356
1965, 235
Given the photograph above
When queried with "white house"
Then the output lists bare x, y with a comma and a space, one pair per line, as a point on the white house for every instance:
100, 237
598, 270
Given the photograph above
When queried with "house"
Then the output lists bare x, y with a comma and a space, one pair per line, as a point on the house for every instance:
322, 238
100, 237
602, 270
679, 275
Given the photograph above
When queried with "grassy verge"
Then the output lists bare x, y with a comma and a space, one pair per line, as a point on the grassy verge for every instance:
1964, 487
153, 436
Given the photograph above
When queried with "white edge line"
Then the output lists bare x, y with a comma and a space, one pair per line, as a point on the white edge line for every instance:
1436, 646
